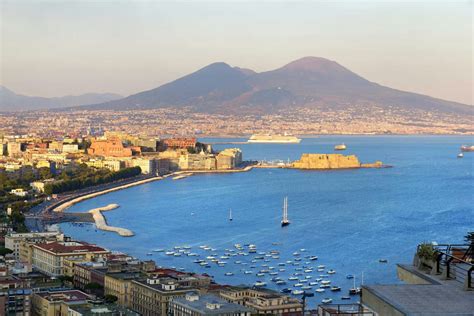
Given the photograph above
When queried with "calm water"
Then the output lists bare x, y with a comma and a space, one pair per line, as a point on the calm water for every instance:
348, 218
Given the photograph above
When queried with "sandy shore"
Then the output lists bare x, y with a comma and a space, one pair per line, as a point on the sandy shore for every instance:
101, 222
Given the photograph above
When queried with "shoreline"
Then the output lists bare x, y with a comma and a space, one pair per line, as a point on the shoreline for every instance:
63, 206
101, 222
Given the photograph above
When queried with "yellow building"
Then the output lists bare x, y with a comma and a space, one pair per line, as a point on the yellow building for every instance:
57, 303
119, 285
263, 301
49, 258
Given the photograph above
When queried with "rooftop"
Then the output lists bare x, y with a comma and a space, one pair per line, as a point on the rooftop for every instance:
69, 247
210, 304
68, 296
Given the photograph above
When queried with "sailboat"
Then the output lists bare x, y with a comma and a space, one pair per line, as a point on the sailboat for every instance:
230, 215
285, 221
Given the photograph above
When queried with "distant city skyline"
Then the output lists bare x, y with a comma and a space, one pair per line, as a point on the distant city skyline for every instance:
55, 48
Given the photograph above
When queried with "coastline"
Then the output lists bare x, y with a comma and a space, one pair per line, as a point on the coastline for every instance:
101, 222
63, 206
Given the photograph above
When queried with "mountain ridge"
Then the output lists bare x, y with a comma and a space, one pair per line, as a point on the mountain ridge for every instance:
11, 101
305, 82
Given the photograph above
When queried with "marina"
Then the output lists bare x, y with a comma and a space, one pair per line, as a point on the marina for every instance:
322, 226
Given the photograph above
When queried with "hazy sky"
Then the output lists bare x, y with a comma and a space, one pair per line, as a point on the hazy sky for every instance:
53, 48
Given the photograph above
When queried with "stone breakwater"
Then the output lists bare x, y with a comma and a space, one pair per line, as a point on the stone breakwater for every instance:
331, 161
101, 223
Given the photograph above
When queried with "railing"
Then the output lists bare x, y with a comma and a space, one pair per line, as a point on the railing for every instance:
344, 309
456, 262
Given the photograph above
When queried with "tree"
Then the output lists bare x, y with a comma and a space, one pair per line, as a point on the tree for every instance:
470, 238
110, 298
5, 251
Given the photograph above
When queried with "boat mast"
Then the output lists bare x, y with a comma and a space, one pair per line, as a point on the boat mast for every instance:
230, 214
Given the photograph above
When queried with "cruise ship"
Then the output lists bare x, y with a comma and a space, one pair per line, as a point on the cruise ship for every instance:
274, 138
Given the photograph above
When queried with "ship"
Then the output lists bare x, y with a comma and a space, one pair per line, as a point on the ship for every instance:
340, 147
467, 148
285, 221
274, 138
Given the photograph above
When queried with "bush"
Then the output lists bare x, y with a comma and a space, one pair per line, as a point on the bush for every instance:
110, 298
5, 251
426, 251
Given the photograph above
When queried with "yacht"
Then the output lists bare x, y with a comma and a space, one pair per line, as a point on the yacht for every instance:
297, 292
285, 221
340, 147
326, 300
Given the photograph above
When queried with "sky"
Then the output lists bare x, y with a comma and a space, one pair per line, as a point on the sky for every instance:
55, 48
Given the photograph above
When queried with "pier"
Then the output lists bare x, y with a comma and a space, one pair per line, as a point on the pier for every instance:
101, 223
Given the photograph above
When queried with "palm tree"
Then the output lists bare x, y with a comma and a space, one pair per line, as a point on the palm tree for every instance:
469, 256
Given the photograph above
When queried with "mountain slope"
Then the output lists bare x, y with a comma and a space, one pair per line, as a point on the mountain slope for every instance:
207, 88
10, 101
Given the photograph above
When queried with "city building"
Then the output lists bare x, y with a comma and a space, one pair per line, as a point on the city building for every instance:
119, 284
262, 300
193, 304
112, 147
70, 148
113, 165
147, 166
57, 303
16, 242
49, 257
229, 158
150, 297
179, 143
15, 302
13, 149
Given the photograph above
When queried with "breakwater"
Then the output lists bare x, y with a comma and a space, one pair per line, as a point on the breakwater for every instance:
101, 222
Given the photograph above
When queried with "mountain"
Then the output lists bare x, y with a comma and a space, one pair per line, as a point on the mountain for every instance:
10, 101
205, 88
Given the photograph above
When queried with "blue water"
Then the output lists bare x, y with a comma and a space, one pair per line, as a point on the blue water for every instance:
348, 218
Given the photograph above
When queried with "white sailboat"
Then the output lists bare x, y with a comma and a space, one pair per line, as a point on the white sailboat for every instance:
285, 221
230, 215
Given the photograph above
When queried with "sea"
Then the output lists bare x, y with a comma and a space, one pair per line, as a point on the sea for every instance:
349, 219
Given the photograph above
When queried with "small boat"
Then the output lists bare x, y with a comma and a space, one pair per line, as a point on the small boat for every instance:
149, 254
298, 284
169, 253
260, 284
320, 290
335, 288
308, 270
230, 215
203, 263
466, 148
306, 287
260, 274
349, 276
281, 270
281, 282
326, 300
248, 272
286, 290
326, 282
324, 286
331, 271
297, 292
383, 260
282, 264
292, 278
340, 147
313, 258
285, 221
355, 291
158, 250
296, 253
313, 283
345, 297
228, 274
177, 254
321, 266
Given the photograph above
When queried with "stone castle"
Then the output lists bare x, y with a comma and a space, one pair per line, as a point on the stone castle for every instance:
331, 161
